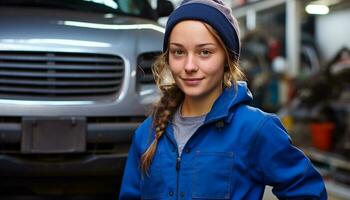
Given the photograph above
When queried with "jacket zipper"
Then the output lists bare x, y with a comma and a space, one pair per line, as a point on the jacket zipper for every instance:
178, 161
178, 158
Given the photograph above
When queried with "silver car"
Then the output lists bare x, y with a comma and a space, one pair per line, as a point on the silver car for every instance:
75, 82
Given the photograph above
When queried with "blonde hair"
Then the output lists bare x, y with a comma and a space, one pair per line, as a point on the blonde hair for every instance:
172, 95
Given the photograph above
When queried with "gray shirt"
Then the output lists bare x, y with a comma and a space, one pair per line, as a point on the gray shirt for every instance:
184, 127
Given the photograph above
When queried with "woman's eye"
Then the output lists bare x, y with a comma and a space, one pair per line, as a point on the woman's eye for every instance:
205, 53
177, 52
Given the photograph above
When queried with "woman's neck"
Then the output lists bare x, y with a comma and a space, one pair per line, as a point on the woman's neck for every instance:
197, 106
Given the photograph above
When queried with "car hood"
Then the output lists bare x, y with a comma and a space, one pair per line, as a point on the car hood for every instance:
38, 29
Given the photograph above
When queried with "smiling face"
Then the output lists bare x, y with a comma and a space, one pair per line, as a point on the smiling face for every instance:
196, 60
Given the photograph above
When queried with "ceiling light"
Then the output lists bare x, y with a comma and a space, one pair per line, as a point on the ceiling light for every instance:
315, 9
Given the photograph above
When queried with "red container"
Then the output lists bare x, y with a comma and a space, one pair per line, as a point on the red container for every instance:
321, 135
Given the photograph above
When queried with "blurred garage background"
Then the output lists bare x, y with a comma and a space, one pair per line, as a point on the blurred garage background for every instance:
79, 71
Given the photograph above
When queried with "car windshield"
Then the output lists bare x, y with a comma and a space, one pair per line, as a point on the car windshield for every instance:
139, 8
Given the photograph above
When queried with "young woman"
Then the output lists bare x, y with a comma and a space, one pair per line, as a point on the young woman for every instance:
203, 140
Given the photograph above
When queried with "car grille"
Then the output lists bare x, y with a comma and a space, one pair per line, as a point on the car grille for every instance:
59, 76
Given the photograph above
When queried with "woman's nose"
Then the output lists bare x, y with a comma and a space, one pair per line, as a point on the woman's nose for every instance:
190, 65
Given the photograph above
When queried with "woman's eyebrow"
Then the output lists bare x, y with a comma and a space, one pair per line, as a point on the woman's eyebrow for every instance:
206, 44
176, 44
198, 45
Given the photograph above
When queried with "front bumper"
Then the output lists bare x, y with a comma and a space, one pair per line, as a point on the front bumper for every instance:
96, 132
107, 146
82, 165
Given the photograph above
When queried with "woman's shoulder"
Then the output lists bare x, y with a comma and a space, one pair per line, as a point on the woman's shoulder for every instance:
145, 127
255, 121
144, 133
146, 123
253, 115
264, 124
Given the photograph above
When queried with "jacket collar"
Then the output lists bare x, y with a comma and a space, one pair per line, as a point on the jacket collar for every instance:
229, 99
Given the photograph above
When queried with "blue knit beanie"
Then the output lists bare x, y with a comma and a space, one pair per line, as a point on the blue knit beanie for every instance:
213, 12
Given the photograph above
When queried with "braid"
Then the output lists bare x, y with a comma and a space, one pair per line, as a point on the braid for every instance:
162, 114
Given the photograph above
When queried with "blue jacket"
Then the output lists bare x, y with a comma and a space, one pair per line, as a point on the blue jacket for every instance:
233, 155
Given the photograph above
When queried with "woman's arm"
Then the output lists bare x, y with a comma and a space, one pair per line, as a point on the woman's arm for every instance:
283, 166
130, 188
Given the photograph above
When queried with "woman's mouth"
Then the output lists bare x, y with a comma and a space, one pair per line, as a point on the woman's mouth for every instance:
192, 81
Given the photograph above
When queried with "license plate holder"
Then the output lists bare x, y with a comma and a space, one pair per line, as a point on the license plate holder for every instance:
53, 135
